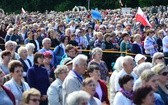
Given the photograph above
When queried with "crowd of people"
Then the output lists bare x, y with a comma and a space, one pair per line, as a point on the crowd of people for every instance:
42, 62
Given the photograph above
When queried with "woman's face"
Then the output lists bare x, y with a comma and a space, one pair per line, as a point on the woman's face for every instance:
159, 59
149, 99
34, 100
18, 73
95, 74
129, 85
40, 60
163, 76
153, 82
63, 74
91, 88
98, 56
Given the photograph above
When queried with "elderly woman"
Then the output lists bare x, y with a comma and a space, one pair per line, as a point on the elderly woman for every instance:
149, 78
96, 59
54, 92
31, 97
30, 49
101, 88
78, 98
137, 47
16, 84
36, 74
162, 70
125, 95
7, 97
158, 58
144, 96
89, 85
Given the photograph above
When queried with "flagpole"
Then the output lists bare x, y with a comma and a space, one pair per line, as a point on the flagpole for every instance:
88, 4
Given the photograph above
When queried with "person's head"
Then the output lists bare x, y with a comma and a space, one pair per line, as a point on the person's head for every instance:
16, 69
94, 71
6, 56
2, 74
162, 70
71, 51
31, 97
22, 51
38, 58
89, 85
144, 96
30, 48
78, 98
9, 45
61, 72
107, 37
46, 42
65, 39
150, 32
158, 57
68, 62
143, 66
68, 31
126, 82
30, 34
99, 35
139, 58
149, 78
47, 57
119, 63
80, 64
97, 53
125, 36
128, 64
160, 34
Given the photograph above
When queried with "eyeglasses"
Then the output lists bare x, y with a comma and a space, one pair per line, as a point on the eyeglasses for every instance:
160, 57
165, 73
35, 100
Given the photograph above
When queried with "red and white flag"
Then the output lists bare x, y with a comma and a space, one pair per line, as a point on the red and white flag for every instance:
140, 17
23, 11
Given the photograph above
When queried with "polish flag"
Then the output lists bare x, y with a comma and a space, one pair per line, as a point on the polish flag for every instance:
140, 17
23, 11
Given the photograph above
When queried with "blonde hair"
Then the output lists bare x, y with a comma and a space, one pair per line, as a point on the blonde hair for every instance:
21, 49
159, 68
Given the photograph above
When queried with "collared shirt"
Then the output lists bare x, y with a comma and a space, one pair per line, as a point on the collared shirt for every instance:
80, 78
165, 43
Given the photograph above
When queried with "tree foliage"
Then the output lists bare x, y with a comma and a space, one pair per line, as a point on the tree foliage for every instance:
63, 5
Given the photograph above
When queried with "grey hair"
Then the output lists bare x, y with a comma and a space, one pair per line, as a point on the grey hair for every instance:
21, 49
126, 59
75, 97
96, 50
29, 46
143, 66
59, 69
45, 39
78, 58
119, 63
8, 42
157, 54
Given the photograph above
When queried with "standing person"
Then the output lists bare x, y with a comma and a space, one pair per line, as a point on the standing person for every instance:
30, 49
137, 47
165, 47
54, 92
97, 59
16, 83
7, 97
31, 97
101, 87
125, 96
74, 79
37, 77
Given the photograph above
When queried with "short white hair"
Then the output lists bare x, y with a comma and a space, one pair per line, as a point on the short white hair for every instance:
75, 97
143, 66
119, 63
8, 43
126, 59
21, 49
96, 50
78, 58
45, 39
30, 46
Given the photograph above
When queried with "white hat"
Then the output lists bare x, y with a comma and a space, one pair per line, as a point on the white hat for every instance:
139, 57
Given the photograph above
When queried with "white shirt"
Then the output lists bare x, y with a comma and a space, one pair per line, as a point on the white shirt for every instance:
99, 91
165, 42
120, 99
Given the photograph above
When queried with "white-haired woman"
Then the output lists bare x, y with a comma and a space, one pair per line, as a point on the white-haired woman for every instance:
158, 58
54, 92
30, 49
97, 59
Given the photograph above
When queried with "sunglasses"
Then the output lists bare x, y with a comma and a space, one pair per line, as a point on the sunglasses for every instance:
160, 57
35, 100
165, 73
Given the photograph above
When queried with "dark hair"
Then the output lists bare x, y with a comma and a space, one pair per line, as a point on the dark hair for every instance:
107, 35
63, 38
123, 80
87, 81
92, 67
13, 64
69, 47
140, 94
5, 53
38, 55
